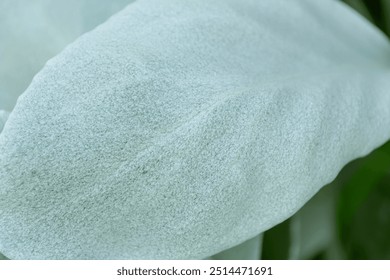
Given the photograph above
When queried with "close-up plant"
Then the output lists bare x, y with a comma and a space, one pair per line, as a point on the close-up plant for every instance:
194, 129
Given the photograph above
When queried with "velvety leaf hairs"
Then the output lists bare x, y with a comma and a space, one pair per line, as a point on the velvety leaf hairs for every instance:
178, 129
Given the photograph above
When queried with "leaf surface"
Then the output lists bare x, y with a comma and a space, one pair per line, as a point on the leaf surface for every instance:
179, 129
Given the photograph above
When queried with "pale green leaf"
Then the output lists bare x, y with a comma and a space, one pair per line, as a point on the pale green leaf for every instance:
179, 129
31, 32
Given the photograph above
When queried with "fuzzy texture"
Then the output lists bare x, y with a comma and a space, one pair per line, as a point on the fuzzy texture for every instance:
31, 32
179, 129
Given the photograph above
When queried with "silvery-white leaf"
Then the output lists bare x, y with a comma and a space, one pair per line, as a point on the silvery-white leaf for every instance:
179, 129
31, 32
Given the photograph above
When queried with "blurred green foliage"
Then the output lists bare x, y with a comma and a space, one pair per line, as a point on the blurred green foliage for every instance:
377, 11
363, 213
350, 218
